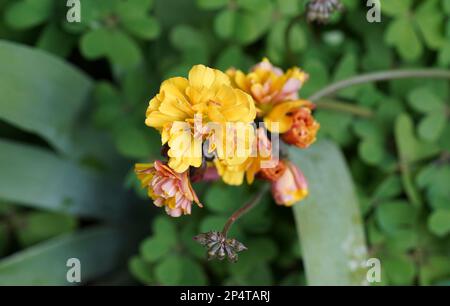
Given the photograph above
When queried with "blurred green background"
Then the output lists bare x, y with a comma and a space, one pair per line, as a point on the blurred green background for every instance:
72, 105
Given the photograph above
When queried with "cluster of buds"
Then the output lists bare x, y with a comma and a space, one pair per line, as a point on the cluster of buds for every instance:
216, 125
321, 10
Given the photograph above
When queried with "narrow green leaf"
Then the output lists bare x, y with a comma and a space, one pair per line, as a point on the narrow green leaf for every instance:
41, 94
99, 251
328, 221
37, 178
39, 226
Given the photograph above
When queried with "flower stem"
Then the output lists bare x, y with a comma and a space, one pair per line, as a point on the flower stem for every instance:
244, 209
344, 107
380, 76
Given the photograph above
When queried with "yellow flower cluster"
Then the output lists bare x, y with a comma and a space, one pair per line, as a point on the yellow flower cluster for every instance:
207, 121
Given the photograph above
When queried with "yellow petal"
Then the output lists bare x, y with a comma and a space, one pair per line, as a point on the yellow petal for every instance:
280, 114
201, 76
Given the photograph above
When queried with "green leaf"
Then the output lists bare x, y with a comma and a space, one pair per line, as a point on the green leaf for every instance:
141, 270
56, 41
395, 215
41, 94
233, 56
395, 8
224, 23
4, 238
28, 13
185, 37
409, 147
56, 184
132, 8
93, 44
439, 222
99, 250
446, 5
435, 268
432, 126
243, 26
346, 68
424, 100
39, 226
211, 4
134, 142
371, 151
225, 199
120, 49
319, 77
169, 271
145, 27
288, 7
430, 20
401, 35
444, 55
193, 273
400, 270
389, 188
163, 226
277, 39
328, 220
154, 248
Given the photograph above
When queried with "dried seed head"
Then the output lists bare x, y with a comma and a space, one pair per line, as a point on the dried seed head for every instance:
219, 246
321, 10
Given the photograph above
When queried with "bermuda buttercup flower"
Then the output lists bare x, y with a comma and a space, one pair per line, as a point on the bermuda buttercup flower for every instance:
269, 85
275, 92
207, 94
167, 188
291, 187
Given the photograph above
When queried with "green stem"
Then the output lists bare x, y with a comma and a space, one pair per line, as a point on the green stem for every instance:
345, 107
244, 209
380, 76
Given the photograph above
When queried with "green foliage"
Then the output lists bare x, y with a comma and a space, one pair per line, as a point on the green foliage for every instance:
72, 125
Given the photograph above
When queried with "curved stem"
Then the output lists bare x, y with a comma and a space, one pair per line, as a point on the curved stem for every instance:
344, 107
380, 76
244, 209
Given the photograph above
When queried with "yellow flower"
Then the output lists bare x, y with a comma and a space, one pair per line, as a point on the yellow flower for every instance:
167, 188
206, 96
234, 152
268, 85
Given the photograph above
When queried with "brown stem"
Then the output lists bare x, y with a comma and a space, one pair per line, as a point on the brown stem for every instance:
244, 209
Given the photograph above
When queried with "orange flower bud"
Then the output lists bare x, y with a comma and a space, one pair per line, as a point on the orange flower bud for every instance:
291, 187
273, 174
303, 130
